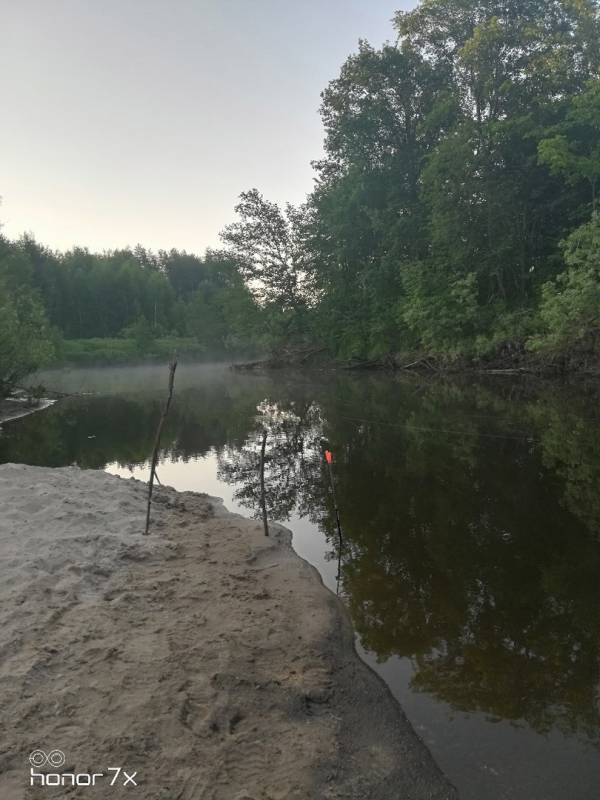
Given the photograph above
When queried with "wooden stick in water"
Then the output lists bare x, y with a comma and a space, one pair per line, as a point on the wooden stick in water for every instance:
263, 502
329, 459
161, 422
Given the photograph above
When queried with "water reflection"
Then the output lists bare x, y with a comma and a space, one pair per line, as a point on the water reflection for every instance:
471, 515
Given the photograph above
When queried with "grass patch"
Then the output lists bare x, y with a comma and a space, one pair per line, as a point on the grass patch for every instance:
90, 352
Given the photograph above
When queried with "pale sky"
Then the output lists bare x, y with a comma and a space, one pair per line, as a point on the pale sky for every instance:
129, 121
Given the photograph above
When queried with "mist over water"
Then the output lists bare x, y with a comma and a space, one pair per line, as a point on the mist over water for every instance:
471, 523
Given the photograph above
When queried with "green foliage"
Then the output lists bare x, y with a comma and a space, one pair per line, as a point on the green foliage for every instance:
570, 307
441, 202
573, 150
26, 339
441, 313
506, 332
142, 333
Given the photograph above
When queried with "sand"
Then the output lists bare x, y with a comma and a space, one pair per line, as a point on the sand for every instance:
205, 658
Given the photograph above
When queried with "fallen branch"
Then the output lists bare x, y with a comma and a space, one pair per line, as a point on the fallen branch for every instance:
507, 371
412, 364
286, 357
250, 364
374, 363
310, 353
50, 393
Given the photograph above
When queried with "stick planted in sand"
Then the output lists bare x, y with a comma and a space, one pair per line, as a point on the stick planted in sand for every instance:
161, 422
263, 502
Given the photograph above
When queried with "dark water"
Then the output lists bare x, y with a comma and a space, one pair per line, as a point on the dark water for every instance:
471, 521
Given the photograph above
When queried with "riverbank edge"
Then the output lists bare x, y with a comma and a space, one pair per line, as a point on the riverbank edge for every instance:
375, 752
512, 357
377, 708
564, 367
13, 408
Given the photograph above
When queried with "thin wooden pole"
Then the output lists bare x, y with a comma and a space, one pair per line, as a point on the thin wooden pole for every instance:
335, 505
161, 422
329, 459
263, 502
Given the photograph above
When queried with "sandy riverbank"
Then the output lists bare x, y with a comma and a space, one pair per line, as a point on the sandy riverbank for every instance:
206, 658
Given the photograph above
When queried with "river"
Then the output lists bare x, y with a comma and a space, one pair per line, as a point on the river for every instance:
470, 551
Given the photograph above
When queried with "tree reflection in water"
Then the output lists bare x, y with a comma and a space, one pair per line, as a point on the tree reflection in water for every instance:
460, 552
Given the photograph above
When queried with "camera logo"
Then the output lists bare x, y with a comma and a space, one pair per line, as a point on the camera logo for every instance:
55, 758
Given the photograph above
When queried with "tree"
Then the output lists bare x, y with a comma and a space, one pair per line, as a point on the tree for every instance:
267, 246
505, 57
26, 341
382, 117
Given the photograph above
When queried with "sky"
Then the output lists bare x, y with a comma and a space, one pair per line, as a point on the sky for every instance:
129, 121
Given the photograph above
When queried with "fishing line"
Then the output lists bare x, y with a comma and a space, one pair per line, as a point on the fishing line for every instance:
407, 425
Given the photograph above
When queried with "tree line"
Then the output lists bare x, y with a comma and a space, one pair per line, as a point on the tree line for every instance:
455, 208
454, 213
48, 297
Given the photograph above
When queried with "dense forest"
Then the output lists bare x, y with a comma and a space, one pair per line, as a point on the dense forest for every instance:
454, 216
116, 304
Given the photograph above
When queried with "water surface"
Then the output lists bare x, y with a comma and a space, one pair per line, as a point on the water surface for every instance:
470, 559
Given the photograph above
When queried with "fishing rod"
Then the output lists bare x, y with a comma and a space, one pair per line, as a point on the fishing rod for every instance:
329, 459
